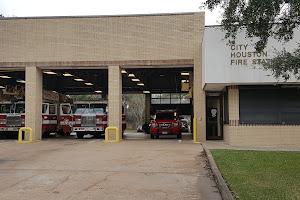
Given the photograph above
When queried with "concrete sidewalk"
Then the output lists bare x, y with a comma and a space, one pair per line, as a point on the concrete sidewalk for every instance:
91, 169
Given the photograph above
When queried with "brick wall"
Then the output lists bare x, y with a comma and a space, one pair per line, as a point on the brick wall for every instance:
149, 37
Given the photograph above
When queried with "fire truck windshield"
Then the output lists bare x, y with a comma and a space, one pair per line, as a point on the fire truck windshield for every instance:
166, 115
5, 108
81, 111
20, 108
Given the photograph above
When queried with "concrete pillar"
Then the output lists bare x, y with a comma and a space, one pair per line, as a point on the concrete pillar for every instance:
114, 99
33, 100
199, 100
147, 113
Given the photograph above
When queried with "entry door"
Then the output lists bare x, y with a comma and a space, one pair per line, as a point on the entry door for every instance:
214, 118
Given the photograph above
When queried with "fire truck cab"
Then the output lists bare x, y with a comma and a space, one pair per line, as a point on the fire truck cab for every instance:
49, 118
166, 122
90, 118
66, 118
12, 116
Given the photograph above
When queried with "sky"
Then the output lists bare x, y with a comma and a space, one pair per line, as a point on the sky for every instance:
26, 8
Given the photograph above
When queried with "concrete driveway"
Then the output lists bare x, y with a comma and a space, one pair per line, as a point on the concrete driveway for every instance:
69, 168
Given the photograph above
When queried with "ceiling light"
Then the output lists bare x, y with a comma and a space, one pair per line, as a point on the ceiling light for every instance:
141, 84
50, 73
54, 92
89, 83
5, 77
1, 87
78, 79
135, 79
124, 71
67, 74
146, 92
131, 75
185, 73
98, 91
20, 81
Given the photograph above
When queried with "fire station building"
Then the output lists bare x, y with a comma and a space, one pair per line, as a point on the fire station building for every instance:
232, 98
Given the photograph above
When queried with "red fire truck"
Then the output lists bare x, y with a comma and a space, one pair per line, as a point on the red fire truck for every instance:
165, 123
49, 118
12, 117
66, 118
90, 117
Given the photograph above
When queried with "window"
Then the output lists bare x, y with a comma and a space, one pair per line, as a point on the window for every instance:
44, 108
170, 98
52, 109
270, 106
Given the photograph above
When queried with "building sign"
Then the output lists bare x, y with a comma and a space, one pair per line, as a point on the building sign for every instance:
242, 54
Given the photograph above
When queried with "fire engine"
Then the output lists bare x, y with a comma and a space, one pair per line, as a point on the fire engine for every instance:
91, 118
165, 123
66, 118
12, 117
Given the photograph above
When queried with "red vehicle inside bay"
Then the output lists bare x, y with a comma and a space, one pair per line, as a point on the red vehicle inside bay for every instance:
166, 123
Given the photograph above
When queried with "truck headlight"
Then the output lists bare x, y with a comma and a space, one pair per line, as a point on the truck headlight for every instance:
77, 121
2, 121
99, 121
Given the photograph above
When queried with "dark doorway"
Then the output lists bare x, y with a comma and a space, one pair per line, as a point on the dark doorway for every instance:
214, 117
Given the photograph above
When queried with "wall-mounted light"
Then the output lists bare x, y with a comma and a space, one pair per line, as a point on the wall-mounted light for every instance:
131, 75
78, 79
67, 74
5, 77
185, 73
89, 83
146, 92
135, 80
124, 71
185, 81
54, 92
98, 91
141, 84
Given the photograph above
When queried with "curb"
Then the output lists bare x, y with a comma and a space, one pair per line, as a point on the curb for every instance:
223, 188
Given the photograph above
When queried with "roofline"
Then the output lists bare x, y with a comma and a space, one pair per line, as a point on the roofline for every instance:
100, 16
211, 26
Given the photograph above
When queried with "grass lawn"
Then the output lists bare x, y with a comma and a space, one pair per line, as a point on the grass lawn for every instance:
260, 174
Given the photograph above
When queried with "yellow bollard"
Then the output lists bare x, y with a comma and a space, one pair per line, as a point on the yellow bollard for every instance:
30, 136
117, 135
195, 131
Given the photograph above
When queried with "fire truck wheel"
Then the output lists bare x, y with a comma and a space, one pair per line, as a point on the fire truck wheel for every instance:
179, 136
79, 135
152, 136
